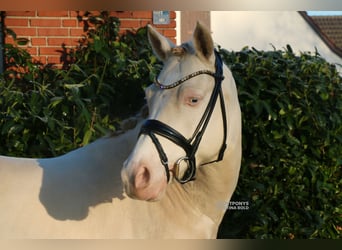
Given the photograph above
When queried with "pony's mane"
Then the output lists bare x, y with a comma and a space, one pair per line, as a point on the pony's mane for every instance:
130, 123
178, 51
183, 49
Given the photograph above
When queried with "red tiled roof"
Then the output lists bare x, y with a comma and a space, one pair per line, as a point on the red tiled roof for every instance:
329, 28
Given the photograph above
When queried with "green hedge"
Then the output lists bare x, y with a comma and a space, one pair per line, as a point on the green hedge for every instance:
46, 111
291, 110
292, 146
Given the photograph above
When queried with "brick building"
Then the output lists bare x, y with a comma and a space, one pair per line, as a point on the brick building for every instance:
48, 31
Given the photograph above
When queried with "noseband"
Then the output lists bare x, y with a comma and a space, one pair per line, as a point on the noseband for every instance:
152, 127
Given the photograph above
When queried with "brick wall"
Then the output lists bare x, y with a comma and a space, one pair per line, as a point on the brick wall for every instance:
47, 31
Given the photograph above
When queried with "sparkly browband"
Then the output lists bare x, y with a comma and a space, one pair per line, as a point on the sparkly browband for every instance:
184, 79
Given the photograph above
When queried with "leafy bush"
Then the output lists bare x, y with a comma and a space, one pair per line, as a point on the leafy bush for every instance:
292, 144
46, 111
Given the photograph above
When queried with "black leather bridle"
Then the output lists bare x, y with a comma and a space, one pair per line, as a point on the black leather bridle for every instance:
152, 127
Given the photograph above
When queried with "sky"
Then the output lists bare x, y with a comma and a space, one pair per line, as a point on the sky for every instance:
325, 13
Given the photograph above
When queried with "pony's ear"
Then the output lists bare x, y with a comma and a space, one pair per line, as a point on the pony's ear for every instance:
203, 41
161, 45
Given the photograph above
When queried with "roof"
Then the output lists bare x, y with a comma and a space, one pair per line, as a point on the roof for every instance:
329, 28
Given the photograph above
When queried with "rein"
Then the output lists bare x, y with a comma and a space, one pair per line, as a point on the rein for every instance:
152, 127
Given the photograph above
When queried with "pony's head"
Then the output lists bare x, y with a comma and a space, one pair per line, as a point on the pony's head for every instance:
182, 131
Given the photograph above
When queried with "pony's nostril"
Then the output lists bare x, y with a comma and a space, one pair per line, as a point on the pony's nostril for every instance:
142, 178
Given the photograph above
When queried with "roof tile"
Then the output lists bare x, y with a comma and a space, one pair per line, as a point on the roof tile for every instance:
332, 27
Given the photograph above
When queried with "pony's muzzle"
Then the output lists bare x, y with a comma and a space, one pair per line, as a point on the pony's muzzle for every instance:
141, 183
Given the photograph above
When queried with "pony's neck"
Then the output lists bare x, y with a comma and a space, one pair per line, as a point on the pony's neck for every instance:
215, 183
89, 176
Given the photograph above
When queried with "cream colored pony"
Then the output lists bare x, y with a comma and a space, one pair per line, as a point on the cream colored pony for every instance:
81, 195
